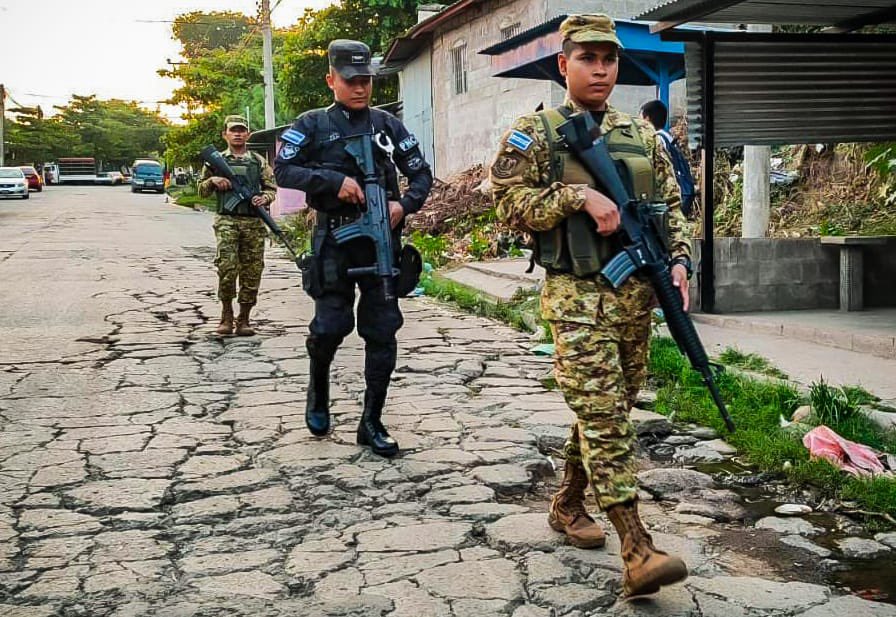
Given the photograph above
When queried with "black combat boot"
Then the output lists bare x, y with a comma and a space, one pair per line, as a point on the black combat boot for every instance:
317, 402
371, 431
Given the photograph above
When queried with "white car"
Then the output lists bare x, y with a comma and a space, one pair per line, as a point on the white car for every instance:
13, 182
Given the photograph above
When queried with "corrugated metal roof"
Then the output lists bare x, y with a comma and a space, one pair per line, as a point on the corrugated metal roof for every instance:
768, 92
818, 12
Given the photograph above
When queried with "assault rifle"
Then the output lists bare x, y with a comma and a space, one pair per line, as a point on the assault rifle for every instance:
241, 193
644, 249
374, 222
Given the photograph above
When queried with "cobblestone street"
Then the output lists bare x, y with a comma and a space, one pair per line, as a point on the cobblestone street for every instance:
151, 468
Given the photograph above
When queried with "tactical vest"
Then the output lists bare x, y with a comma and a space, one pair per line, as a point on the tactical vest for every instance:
574, 246
249, 169
329, 153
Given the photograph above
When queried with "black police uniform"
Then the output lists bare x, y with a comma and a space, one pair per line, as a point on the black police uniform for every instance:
313, 159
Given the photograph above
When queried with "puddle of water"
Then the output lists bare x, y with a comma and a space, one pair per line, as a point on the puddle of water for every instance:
872, 579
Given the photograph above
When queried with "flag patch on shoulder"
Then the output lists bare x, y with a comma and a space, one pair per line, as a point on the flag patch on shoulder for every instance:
293, 136
519, 140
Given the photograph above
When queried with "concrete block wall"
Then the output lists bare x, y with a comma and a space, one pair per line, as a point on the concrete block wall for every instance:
767, 274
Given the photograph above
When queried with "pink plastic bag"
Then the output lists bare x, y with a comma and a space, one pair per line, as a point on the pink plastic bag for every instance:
854, 458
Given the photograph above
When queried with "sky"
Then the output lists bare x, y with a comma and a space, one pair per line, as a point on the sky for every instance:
52, 49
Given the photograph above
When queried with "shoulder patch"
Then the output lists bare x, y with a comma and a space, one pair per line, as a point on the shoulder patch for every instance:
519, 140
407, 143
288, 151
293, 136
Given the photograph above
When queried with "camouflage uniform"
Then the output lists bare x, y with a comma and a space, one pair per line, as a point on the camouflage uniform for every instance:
240, 239
601, 334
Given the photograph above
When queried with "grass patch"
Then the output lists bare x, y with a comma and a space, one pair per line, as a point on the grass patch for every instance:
756, 407
750, 362
188, 196
519, 312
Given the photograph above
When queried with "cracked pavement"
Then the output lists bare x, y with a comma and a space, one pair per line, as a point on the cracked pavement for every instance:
149, 467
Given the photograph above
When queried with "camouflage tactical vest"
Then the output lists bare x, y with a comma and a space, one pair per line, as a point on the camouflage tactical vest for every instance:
249, 169
574, 246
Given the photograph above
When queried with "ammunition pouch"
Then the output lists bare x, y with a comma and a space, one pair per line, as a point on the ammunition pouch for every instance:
309, 266
573, 247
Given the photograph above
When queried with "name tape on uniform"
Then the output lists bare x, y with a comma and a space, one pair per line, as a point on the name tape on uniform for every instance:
407, 143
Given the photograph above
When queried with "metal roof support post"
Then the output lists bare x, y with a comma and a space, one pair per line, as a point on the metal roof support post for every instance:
707, 256
662, 86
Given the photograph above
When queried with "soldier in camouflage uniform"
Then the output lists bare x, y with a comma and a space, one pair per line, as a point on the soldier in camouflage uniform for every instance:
601, 334
240, 234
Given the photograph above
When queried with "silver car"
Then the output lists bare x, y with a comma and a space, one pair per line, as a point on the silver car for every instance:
13, 182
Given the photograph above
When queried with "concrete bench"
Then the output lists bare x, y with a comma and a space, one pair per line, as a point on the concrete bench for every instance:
851, 290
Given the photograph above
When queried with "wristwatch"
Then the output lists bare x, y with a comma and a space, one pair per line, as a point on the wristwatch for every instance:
685, 261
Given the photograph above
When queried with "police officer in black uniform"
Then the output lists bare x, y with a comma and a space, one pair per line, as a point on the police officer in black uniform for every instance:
313, 159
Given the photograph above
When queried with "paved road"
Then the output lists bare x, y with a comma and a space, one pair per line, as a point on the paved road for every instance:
148, 467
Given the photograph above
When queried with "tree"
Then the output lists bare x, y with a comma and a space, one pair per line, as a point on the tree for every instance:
200, 33
34, 139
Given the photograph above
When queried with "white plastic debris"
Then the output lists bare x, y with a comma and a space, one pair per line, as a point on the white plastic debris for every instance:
793, 509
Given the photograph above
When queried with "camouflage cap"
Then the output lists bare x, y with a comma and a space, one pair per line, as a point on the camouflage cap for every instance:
595, 28
231, 121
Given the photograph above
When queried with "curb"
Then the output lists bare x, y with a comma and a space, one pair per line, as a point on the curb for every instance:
880, 345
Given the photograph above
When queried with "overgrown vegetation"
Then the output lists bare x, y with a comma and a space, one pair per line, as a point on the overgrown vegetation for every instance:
188, 196
756, 407
750, 362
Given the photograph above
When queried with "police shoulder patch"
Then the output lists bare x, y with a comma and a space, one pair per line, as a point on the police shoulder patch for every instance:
293, 136
519, 140
415, 163
288, 151
407, 143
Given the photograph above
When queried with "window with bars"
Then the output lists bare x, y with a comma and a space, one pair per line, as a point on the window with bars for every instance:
510, 31
459, 67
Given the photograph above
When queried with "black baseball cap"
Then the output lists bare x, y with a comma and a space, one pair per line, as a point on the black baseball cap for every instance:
350, 58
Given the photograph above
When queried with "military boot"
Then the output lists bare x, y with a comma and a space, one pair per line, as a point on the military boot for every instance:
242, 321
371, 431
317, 402
226, 325
646, 568
568, 514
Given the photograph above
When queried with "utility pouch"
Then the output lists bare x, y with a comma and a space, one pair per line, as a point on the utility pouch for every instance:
550, 249
309, 266
410, 265
582, 240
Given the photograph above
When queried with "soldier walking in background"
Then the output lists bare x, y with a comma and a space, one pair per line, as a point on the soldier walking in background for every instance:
240, 233
601, 334
313, 159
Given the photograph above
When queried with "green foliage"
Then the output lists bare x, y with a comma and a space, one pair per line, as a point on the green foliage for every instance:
831, 405
298, 228
200, 32
756, 407
184, 142
115, 132
480, 244
433, 249
750, 362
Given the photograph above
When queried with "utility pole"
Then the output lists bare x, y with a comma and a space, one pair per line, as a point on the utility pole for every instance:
2, 123
268, 52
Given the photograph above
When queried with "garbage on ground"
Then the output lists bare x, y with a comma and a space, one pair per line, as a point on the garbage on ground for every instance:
544, 349
793, 509
854, 458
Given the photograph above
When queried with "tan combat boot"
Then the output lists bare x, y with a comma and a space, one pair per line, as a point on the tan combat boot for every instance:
568, 514
646, 568
226, 325
242, 321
